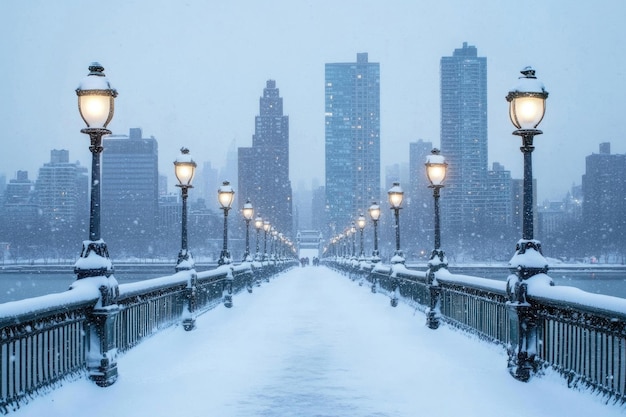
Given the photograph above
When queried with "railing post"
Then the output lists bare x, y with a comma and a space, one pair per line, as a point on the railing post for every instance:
433, 311
189, 315
522, 350
227, 288
395, 287
102, 343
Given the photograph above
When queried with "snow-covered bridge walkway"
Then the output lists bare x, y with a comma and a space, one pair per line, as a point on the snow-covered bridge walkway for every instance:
313, 343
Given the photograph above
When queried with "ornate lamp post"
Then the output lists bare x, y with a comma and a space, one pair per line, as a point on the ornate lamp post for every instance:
374, 212
361, 223
396, 195
274, 234
258, 225
353, 236
436, 167
96, 100
266, 228
225, 196
248, 213
96, 104
184, 168
527, 105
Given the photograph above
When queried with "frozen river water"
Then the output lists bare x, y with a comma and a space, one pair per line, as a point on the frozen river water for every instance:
313, 343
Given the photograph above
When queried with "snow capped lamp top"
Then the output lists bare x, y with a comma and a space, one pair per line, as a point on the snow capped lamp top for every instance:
225, 195
527, 101
184, 168
248, 210
96, 98
396, 195
374, 211
266, 226
361, 221
258, 223
436, 167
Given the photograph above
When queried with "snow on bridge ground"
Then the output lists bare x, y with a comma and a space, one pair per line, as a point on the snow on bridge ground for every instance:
313, 343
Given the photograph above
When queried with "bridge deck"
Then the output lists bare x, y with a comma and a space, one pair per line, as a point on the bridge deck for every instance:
313, 343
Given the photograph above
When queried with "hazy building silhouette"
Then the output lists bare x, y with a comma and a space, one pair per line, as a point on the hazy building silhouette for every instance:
62, 196
464, 142
264, 167
20, 222
419, 201
130, 193
352, 139
604, 199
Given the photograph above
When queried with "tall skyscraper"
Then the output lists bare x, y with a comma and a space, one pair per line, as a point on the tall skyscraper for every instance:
62, 190
20, 222
464, 141
419, 201
352, 130
264, 167
130, 193
604, 203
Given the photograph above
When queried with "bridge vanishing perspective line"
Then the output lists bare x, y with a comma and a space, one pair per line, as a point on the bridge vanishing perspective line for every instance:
313, 343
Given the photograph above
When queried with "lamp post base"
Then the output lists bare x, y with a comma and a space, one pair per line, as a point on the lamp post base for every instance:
398, 257
94, 260
185, 261
224, 258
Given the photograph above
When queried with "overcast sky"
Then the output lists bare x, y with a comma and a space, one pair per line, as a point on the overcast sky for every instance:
191, 73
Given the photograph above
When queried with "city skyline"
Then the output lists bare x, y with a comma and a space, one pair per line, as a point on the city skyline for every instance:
191, 85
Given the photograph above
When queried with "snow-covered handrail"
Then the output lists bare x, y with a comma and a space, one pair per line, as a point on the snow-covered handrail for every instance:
54, 333
578, 333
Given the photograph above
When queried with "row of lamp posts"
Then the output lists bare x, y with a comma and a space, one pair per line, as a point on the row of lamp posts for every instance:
436, 171
527, 103
96, 100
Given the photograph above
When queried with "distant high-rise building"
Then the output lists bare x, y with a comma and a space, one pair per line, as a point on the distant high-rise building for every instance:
352, 132
500, 192
20, 222
264, 167
604, 198
464, 141
229, 172
130, 193
318, 209
3, 184
205, 183
62, 195
419, 207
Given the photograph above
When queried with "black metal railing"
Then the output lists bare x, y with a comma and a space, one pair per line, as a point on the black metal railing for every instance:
43, 339
579, 334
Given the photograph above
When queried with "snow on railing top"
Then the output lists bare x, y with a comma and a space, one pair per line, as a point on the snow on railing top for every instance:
14, 312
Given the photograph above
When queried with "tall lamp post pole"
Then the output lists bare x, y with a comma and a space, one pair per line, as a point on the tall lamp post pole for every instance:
353, 235
266, 228
94, 267
374, 212
396, 195
527, 105
184, 168
225, 196
436, 168
96, 105
248, 213
361, 223
258, 225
